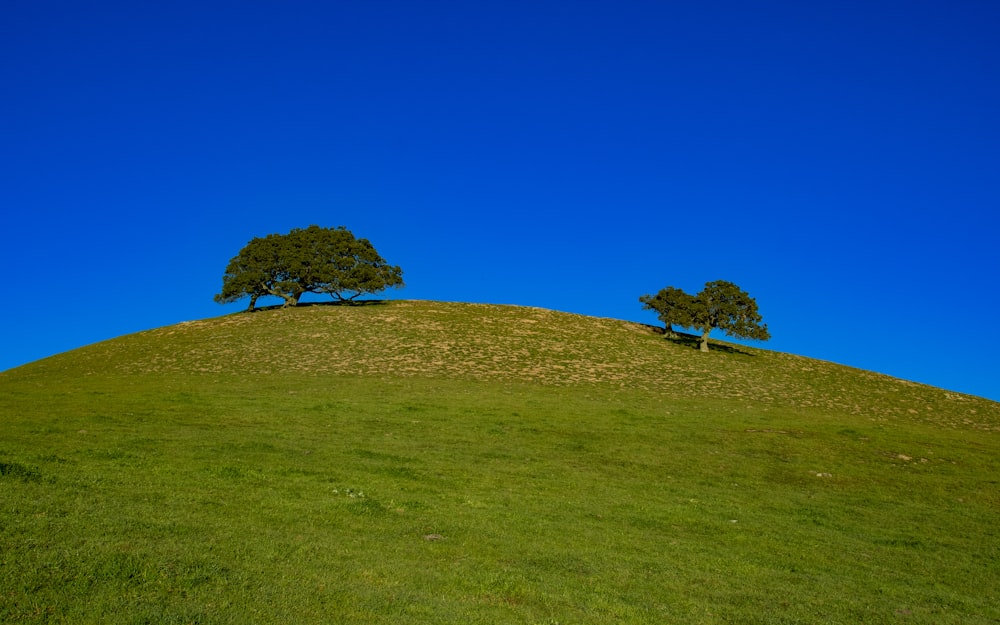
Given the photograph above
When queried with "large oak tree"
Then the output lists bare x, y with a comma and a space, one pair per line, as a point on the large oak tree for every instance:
307, 260
720, 305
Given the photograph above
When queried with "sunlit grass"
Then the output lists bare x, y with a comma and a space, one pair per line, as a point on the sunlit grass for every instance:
336, 464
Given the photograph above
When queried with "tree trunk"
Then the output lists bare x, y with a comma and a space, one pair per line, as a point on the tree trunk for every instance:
704, 340
253, 302
668, 331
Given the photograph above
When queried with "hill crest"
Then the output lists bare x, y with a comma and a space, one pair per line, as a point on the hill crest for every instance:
509, 344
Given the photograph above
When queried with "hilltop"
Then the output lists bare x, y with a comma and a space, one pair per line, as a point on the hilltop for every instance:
500, 343
436, 462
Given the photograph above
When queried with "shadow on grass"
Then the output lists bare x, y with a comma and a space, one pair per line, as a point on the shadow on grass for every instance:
360, 302
693, 341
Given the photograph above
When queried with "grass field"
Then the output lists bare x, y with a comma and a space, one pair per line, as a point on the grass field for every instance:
426, 462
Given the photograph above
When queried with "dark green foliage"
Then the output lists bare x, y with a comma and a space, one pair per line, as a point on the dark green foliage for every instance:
720, 305
310, 260
342, 266
674, 307
263, 267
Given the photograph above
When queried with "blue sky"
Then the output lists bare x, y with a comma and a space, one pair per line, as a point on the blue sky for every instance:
838, 160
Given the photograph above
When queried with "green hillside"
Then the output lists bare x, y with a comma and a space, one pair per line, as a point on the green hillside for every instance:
433, 462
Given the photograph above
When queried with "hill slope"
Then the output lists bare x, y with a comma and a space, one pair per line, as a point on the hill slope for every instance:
455, 463
511, 344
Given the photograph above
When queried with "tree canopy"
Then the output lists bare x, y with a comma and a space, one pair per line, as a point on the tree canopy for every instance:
720, 305
307, 260
674, 307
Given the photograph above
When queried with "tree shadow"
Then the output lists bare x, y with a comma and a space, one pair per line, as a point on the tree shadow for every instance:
357, 302
693, 341
360, 302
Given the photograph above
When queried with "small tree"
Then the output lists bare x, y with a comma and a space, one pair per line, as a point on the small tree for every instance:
674, 307
310, 260
720, 305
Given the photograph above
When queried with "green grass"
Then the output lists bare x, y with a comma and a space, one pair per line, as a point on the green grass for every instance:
449, 463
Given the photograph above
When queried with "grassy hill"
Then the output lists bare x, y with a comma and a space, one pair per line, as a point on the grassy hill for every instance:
431, 462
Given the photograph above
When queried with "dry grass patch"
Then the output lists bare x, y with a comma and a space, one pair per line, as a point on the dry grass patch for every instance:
486, 342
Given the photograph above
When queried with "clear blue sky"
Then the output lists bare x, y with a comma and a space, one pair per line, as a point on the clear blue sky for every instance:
838, 160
